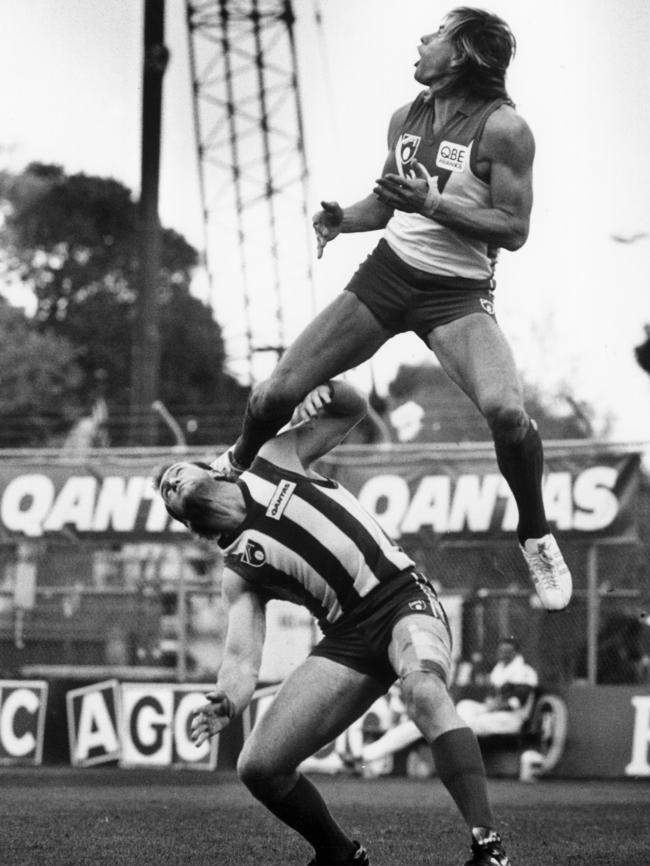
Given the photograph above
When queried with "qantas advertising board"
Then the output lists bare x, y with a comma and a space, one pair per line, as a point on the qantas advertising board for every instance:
461, 495
458, 493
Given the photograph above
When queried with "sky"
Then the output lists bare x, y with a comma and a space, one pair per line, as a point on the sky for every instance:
573, 302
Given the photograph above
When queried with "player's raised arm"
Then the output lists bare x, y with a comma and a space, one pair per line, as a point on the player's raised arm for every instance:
509, 147
242, 657
331, 410
331, 220
367, 215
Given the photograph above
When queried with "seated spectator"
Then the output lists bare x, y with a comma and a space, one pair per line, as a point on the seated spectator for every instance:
507, 705
368, 759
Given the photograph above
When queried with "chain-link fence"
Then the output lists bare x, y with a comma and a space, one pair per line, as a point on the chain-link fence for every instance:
157, 608
602, 637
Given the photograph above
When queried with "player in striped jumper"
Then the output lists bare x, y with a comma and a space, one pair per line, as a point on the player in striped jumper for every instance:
288, 532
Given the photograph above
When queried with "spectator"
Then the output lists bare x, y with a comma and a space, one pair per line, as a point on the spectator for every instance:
507, 705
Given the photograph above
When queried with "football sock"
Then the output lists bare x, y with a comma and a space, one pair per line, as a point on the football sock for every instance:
460, 766
522, 465
305, 811
255, 432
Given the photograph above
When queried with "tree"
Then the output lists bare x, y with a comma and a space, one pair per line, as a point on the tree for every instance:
424, 405
74, 241
39, 397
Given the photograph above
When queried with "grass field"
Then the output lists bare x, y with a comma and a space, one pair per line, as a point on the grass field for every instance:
107, 816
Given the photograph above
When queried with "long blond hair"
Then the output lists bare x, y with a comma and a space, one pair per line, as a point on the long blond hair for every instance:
484, 45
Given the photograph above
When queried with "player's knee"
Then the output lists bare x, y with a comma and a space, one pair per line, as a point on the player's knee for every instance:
265, 779
429, 704
421, 693
274, 396
508, 425
254, 771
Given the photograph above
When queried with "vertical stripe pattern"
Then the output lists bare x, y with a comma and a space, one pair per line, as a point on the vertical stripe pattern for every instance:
310, 541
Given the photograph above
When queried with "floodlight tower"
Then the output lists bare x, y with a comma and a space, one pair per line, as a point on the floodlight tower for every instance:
253, 175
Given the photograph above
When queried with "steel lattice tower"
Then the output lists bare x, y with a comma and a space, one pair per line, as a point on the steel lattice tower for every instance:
253, 175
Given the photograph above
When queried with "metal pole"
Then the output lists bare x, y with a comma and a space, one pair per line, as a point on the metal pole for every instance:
593, 614
146, 337
159, 407
181, 609
256, 18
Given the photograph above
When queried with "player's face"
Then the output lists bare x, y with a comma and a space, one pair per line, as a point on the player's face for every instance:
436, 54
179, 482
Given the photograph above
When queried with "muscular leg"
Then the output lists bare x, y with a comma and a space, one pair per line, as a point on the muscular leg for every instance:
341, 337
476, 356
315, 704
420, 652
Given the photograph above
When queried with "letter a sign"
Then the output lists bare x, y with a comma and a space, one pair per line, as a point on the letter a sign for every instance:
92, 724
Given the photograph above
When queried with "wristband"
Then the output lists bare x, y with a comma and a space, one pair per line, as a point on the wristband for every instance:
432, 200
226, 704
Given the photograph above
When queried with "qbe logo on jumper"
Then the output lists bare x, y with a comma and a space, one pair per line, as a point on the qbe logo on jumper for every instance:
137, 725
22, 721
452, 156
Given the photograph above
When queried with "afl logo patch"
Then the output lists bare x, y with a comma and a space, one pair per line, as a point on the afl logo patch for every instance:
488, 306
417, 605
451, 156
405, 150
253, 554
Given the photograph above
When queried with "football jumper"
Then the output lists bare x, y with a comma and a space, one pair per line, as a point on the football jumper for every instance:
309, 541
448, 157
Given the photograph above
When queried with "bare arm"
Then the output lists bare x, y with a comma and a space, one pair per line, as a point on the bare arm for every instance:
366, 215
242, 657
321, 421
509, 147
507, 150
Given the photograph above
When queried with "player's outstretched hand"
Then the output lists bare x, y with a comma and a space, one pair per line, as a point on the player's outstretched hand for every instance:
316, 400
211, 717
327, 224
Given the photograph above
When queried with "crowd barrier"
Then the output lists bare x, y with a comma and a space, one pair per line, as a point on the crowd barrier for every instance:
608, 733
146, 724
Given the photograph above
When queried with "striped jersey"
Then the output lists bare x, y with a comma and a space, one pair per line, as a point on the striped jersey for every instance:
449, 159
309, 541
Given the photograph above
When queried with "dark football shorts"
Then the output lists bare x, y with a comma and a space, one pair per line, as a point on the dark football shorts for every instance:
403, 298
377, 640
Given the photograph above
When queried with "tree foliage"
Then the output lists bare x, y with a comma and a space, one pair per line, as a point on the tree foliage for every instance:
39, 378
74, 239
426, 406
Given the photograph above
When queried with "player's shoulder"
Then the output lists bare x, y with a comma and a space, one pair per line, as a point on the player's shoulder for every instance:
506, 129
506, 120
238, 582
399, 116
234, 586
401, 112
